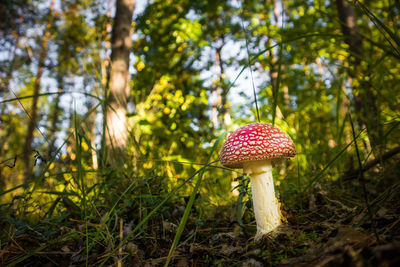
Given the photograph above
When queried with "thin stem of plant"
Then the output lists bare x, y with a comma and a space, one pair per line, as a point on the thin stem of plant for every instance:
362, 181
249, 64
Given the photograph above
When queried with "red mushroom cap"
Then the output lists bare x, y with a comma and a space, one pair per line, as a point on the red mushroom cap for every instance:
256, 141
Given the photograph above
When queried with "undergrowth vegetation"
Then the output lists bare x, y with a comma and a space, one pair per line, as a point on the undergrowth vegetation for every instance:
200, 70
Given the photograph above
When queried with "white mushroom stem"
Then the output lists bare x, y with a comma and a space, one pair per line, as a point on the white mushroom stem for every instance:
266, 206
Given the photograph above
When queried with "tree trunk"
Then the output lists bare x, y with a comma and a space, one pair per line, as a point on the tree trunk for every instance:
274, 69
364, 98
54, 117
214, 112
222, 89
36, 90
116, 133
5, 89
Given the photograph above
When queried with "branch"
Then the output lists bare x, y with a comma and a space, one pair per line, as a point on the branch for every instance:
354, 173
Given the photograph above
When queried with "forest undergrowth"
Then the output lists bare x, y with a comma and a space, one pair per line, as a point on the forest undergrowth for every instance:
329, 225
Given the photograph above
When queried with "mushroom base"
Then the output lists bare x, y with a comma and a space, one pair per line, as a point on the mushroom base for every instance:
266, 206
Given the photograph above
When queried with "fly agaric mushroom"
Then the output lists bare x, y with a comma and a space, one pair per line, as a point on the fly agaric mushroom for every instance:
256, 148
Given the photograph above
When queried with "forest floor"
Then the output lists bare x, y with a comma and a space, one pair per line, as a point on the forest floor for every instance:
338, 228
340, 224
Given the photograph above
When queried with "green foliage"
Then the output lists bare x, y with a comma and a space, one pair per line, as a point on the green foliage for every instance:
306, 84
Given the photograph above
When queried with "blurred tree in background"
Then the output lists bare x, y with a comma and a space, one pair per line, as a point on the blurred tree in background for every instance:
195, 69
